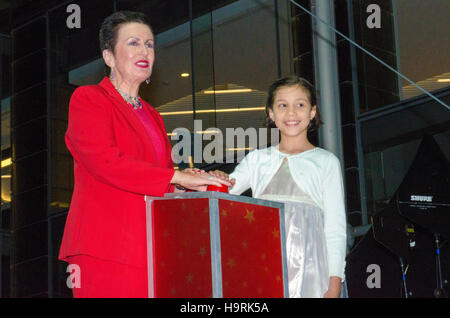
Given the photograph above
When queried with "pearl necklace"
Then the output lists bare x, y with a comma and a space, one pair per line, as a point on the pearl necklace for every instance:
132, 100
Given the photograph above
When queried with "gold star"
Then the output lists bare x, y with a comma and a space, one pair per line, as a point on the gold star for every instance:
180, 254
244, 284
266, 269
259, 290
278, 278
189, 278
183, 206
244, 244
231, 263
263, 256
172, 291
206, 210
224, 213
249, 216
166, 233
202, 252
203, 231
276, 233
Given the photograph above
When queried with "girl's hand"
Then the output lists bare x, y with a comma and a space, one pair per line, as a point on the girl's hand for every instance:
331, 293
219, 174
334, 289
222, 175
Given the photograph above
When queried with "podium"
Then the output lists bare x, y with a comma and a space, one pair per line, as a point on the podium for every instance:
213, 244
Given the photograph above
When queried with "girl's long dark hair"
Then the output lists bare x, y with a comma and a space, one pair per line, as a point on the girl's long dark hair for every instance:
291, 81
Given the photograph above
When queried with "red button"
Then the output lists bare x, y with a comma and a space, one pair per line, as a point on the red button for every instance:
222, 188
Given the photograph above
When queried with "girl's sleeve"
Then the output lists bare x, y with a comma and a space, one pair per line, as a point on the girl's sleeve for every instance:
335, 218
91, 142
242, 175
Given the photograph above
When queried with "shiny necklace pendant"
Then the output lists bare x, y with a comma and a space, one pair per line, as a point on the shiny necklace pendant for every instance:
138, 105
133, 101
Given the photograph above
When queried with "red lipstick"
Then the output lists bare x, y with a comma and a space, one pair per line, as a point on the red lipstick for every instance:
142, 63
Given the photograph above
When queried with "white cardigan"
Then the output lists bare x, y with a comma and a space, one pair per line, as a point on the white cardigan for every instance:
318, 173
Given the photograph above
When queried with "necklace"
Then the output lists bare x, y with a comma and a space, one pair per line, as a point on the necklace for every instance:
132, 100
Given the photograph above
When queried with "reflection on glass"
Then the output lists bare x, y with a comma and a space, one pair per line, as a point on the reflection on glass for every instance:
75, 61
6, 184
6, 123
378, 85
423, 44
390, 144
6, 151
230, 74
430, 84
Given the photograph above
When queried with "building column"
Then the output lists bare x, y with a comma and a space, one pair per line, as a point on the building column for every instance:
327, 81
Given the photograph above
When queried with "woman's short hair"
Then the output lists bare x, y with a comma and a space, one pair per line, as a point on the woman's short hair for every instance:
110, 27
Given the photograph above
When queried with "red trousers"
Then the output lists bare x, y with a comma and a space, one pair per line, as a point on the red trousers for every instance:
97, 278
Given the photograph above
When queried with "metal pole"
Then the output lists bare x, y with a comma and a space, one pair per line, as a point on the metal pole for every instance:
277, 32
327, 79
191, 17
49, 155
397, 47
1, 205
356, 107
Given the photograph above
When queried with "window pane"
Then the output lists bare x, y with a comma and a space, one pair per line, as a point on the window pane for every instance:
423, 39
390, 144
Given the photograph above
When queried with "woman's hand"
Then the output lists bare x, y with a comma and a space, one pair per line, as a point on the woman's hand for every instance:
334, 288
193, 170
201, 188
222, 175
197, 180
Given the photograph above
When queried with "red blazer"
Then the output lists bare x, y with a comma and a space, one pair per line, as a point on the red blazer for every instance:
115, 165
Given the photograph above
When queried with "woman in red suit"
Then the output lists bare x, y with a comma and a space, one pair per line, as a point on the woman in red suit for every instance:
121, 153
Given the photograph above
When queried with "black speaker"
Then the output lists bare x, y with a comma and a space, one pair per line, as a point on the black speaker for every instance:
409, 238
424, 194
395, 232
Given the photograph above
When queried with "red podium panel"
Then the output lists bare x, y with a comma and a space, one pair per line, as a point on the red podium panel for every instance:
211, 244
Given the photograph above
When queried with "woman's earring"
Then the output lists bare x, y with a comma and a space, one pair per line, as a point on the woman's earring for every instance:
111, 76
147, 80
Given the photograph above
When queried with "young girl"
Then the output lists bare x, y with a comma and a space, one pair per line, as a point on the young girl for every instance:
308, 180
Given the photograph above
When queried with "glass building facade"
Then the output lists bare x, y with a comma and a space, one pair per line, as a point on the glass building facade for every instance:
214, 62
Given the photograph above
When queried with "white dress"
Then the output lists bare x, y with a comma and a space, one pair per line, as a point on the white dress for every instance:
305, 237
